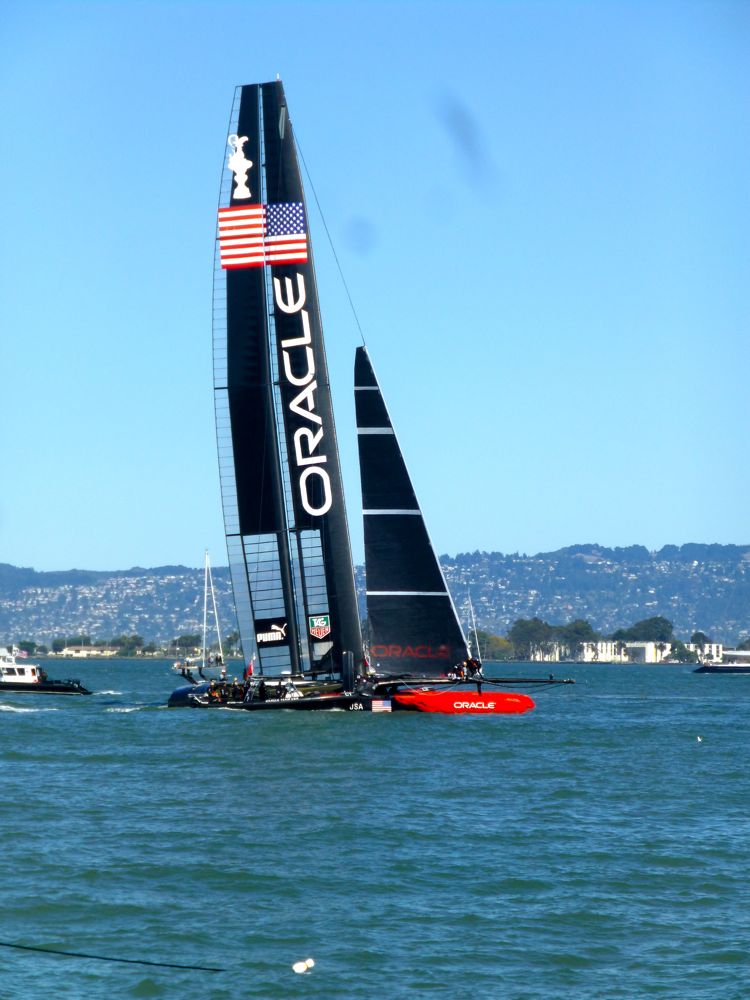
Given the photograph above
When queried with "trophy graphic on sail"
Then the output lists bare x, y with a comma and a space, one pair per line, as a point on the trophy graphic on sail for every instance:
239, 164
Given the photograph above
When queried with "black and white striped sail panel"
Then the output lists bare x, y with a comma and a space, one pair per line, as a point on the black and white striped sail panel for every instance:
285, 519
414, 627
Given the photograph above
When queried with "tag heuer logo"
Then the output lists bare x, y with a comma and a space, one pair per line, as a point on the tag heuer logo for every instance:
320, 625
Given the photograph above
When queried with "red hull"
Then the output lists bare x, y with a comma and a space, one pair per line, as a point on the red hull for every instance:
464, 703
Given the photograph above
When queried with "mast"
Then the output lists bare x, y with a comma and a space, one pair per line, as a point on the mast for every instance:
205, 611
473, 628
213, 604
285, 519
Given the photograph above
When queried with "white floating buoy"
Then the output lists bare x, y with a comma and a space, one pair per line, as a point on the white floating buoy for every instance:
305, 966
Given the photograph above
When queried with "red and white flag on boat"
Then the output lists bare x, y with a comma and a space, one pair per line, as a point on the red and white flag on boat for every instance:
254, 235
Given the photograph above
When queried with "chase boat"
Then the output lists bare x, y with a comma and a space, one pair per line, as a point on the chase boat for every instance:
30, 678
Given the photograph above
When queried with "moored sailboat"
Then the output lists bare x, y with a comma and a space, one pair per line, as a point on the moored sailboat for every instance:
209, 665
207, 659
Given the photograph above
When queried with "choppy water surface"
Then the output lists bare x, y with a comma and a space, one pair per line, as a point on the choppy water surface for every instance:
595, 848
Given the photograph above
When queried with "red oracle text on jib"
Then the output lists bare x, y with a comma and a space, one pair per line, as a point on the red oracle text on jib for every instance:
415, 652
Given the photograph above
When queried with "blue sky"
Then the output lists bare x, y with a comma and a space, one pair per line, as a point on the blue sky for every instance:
541, 210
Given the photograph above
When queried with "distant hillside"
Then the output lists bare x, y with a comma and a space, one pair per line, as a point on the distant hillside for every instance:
696, 586
158, 604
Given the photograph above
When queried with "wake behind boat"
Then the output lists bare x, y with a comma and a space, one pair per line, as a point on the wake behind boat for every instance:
30, 678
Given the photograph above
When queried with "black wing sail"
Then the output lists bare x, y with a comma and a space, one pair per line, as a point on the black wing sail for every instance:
414, 627
284, 513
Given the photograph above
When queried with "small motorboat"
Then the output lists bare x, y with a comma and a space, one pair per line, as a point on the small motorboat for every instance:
30, 678
723, 668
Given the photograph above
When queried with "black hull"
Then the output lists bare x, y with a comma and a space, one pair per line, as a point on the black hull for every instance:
44, 687
376, 695
310, 703
198, 696
184, 697
724, 668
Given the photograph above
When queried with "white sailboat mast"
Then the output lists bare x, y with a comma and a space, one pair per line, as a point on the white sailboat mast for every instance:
473, 628
213, 602
205, 610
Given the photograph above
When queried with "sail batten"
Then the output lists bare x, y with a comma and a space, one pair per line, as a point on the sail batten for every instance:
374, 513
407, 593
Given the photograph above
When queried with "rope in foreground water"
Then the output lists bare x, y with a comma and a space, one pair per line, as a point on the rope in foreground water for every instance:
107, 958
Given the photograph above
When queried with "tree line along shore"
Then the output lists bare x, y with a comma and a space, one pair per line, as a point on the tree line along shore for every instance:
528, 639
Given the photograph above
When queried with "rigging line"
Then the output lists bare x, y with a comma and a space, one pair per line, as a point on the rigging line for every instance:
107, 958
330, 241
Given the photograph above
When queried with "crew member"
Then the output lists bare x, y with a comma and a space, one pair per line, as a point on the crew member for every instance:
473, 666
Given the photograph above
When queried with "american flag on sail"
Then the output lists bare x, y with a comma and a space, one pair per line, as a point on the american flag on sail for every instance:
253, 235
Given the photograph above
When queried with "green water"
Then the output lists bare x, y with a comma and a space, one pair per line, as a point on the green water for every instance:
593, 848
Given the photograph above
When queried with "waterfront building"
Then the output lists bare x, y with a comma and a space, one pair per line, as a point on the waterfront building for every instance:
82, 652
709, 652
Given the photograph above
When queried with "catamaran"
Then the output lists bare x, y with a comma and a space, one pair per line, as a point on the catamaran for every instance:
283, 501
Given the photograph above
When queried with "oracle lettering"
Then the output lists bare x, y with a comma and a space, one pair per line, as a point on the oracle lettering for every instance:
488, 705
313, 440
292, 379
325, 483
415, 652
309, 457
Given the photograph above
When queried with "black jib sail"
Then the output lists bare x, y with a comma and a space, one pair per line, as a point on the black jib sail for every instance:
414, 627
284, 513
